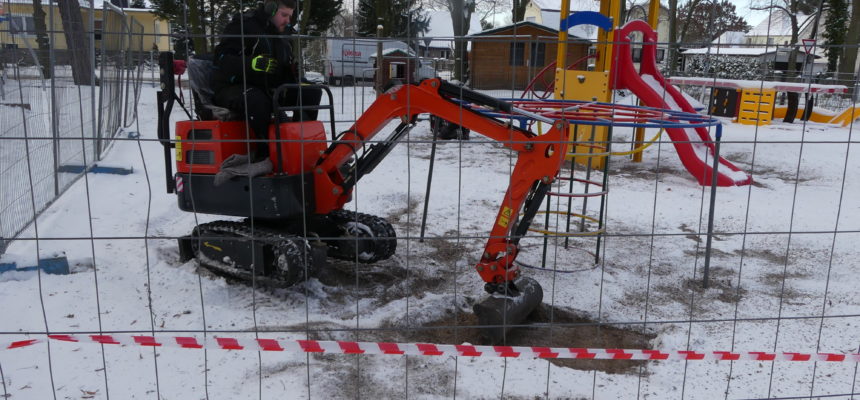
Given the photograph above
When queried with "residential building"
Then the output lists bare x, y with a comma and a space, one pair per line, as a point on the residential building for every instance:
17, 27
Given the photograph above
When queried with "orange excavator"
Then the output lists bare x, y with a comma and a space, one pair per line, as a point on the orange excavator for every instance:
295, 216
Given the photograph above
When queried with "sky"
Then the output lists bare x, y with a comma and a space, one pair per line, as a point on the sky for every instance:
753, 17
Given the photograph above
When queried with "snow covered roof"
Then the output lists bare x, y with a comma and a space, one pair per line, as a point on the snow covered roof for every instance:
797, 87
740, 51
575, 5
440, 27
388, 52
730, 37
778, 24
732, 51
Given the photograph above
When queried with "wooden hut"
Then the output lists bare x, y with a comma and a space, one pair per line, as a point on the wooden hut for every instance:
510, 56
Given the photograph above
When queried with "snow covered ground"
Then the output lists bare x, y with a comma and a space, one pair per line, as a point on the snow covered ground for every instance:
780, 280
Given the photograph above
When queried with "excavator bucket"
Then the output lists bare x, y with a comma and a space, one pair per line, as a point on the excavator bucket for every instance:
499, 313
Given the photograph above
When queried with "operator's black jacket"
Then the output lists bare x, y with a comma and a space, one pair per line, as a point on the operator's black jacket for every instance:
260, 38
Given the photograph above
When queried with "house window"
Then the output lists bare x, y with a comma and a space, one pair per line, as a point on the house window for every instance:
517, 55
530, 19
97, 25
770, 40
22, 25
537, 55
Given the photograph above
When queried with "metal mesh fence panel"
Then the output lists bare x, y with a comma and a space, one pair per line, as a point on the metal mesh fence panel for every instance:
655, 284
50, 122
113, 63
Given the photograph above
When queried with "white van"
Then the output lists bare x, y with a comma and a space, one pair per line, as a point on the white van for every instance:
349, 59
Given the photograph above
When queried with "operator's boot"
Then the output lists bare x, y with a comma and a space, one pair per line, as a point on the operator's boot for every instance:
240, 165
507, 306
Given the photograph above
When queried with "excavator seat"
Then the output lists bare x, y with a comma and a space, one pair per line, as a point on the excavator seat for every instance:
199, 76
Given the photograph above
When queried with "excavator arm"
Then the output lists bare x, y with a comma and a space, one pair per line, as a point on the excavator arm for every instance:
539, 159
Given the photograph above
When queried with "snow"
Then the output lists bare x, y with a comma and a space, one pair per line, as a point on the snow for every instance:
732, 51
702, 151
750, 84
738, 51
126, 227
730, 37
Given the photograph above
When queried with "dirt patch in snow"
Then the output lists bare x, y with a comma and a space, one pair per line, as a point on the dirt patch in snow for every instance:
568, 329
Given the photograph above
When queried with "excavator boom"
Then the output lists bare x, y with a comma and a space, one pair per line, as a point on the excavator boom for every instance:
539, 159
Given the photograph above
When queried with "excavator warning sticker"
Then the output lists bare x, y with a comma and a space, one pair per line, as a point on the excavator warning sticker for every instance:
505, 218
178, 148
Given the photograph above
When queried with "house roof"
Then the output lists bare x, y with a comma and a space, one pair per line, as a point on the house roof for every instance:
730, 37
778, 23
551, 31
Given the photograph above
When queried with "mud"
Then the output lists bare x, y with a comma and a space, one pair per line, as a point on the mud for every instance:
567, 329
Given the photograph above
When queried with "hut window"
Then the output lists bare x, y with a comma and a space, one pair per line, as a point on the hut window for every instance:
21, 25
537, 54
517, 55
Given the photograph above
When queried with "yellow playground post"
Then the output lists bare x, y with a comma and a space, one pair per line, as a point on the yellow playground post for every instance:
591, 147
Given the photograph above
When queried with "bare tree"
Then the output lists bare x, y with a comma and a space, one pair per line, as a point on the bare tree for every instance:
798, 13
78, 45
847, 67
42, 38
461, 19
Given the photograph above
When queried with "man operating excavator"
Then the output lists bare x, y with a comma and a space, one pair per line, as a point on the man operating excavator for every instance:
252, 59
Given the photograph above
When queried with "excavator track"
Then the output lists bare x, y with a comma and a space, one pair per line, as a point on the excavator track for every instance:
365, 238
232, 249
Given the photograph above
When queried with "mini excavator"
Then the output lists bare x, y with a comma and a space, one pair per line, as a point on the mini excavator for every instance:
295, 216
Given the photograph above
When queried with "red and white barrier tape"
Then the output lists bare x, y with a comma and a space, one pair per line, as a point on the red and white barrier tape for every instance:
426, 349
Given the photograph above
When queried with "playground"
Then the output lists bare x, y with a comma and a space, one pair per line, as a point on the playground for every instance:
681, 254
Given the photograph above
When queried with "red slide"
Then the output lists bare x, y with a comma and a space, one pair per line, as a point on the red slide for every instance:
694, 145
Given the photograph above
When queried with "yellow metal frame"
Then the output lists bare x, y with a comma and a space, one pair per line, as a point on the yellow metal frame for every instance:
594, 85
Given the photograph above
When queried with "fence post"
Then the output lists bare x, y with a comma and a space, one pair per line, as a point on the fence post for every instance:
712, 206
55, 132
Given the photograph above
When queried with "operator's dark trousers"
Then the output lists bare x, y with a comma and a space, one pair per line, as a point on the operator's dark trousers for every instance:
256, 105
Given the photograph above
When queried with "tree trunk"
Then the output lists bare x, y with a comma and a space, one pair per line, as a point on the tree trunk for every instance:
792, 56
212, 27
460, 17
197, 31
44, 52
305, 8
519, 10
847, 67
78, 43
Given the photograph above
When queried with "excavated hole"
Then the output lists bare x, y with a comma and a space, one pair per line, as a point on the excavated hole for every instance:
583, 332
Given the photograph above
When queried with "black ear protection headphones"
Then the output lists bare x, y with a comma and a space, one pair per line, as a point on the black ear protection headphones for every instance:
271, 7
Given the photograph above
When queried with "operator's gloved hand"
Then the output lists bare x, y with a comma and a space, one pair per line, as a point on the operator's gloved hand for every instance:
265, 64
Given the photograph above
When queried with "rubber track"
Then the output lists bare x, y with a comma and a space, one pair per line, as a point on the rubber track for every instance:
286, 246
384, 240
